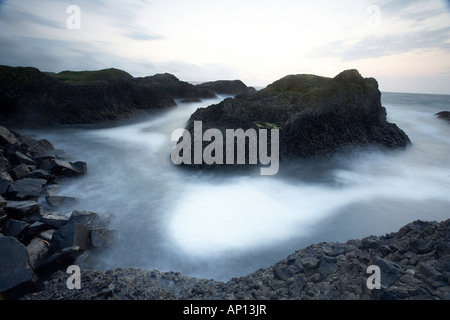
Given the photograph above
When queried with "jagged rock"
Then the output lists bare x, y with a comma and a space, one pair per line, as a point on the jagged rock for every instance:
18, 158
316, 116
67, 169
13, 228
60, 260
20, 171
61, 201
40, 174
22, 209
6, 136
26, 188
445, 115
37, 250
5, 165
56, 221
73, 234
16, 276
228, 87
5, 182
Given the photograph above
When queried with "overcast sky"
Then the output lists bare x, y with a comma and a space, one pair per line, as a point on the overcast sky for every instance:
405, 45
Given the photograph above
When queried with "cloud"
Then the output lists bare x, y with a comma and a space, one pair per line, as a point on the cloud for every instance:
19, 17
138, 33
377, 46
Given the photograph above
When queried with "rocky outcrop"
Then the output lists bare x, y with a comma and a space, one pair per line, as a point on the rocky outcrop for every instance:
316, 116
30, 98
36, 239
444, 115
174, 87
227, 87
414, 263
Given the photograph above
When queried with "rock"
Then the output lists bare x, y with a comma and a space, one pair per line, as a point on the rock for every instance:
14, 228
4, 183
20, 171
227, 87
22, 209
5, 165
55, 221
60, 260
16, 275
26, 188
315, 116
37, 251
73, 234
334, 271
40, 174
6, 137
46, 101
421, 246
67, 169
445, 115
18, 158
42, 147
60, 201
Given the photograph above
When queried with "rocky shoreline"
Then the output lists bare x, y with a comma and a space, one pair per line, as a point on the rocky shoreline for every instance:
37, 236
414, 264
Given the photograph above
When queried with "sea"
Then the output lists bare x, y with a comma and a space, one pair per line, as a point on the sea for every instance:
221, 225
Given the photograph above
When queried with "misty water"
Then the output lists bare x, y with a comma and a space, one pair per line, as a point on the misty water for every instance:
223, 225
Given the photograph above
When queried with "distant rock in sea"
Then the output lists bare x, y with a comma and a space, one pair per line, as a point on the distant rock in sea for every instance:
227, 87
30, 98
445, 115
316, 116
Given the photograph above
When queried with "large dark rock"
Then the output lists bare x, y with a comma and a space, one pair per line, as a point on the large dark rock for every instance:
16, 275
316, 116
22, 209
26, 188
67, 169
444, 115
30, 98
6, 136
177, 89
227, 87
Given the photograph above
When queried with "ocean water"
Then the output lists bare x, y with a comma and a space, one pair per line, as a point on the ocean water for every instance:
224, 225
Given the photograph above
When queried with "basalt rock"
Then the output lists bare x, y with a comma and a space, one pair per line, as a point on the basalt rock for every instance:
316, 116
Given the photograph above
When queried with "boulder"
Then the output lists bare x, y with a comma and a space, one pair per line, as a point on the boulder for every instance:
67, 169
61, 201
5, 165
60, 260
73, 234
20, 172
20, 158
16, 275
26, 188
37, 251
53, 220
6, 136
14, 228
22, 209
40, 174
444, 115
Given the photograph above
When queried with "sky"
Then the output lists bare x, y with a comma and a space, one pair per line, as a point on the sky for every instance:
405, 45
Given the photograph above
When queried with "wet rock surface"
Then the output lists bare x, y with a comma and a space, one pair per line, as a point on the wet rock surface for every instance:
36, 238
324, 271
